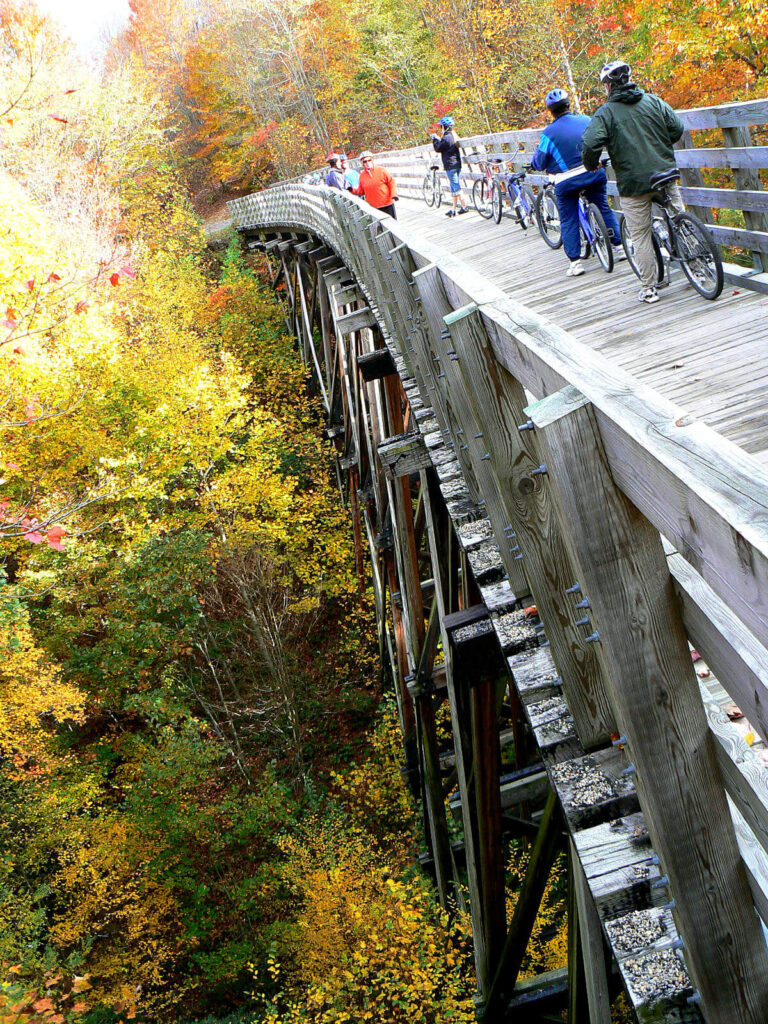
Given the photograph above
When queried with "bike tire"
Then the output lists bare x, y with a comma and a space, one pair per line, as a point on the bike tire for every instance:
428, 189
497, 202
629, 249
602, 246
438, 189
548, 218
530, 202
699, 259
482, 199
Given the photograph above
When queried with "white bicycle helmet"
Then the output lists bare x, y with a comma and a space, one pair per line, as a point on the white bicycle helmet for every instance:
615, 71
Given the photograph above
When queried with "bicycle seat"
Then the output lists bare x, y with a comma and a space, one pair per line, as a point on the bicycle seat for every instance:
662, 178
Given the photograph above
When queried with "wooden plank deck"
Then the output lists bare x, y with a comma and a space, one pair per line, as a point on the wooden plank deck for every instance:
709, 357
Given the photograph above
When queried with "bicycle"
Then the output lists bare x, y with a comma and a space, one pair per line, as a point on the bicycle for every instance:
519, 196
678, 238
431, 187
481, 192
548, 216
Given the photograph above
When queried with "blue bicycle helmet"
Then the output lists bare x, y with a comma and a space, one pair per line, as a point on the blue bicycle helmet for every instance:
447, 122
556, 96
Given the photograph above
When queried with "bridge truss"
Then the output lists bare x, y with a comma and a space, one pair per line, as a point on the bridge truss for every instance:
545, 538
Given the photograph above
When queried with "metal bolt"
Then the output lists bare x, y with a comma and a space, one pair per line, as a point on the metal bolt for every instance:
575, 589
540, 470
528, 425
583, 622
584, 604
660, 882
484, 458
629, 770
593, 638
620, 742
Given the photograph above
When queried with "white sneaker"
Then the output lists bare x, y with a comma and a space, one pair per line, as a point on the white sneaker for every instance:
648, 295
576, 269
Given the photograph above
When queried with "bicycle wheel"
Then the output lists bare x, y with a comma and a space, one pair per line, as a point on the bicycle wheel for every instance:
438, 190
497, 202
529, 202
428, 189
629, 249
481, 197
548, 217
698, 256
602, 244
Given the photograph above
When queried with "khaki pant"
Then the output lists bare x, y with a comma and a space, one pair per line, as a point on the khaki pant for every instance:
637, 210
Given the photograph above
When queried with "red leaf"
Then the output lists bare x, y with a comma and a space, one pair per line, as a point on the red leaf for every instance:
53, 277
30, 284
114, 279
81, 307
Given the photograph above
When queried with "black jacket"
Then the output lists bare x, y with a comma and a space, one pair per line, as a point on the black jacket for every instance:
448, 148
638, 129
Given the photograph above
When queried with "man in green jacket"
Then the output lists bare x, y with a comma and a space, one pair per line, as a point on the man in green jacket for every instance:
638, 130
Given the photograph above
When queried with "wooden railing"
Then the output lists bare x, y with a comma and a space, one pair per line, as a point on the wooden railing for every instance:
743, 194
635, 528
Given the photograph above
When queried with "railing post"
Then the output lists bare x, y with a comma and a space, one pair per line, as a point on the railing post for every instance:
476, 674
653, 687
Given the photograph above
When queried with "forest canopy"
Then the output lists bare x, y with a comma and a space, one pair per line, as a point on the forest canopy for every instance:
199, 773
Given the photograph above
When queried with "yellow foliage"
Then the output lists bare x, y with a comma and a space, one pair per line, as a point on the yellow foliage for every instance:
111, 906
31, 693
369, 946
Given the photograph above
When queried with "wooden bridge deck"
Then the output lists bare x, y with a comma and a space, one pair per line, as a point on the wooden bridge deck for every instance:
709, 357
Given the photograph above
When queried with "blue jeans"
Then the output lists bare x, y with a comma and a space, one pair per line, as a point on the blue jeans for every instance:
453, 180
593, 185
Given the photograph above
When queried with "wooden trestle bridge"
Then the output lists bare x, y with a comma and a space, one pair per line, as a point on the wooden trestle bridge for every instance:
493, 462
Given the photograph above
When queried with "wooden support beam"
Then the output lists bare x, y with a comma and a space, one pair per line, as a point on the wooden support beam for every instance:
596, 966
545, 849
476, 678
355, 321
434, 804
377, 364
654, 690
512, 458
404, 454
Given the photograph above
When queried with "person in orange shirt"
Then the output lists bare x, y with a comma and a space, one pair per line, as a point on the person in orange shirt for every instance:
376, 186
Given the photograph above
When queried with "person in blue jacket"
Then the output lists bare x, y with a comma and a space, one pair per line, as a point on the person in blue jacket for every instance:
447, 146
559, 155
